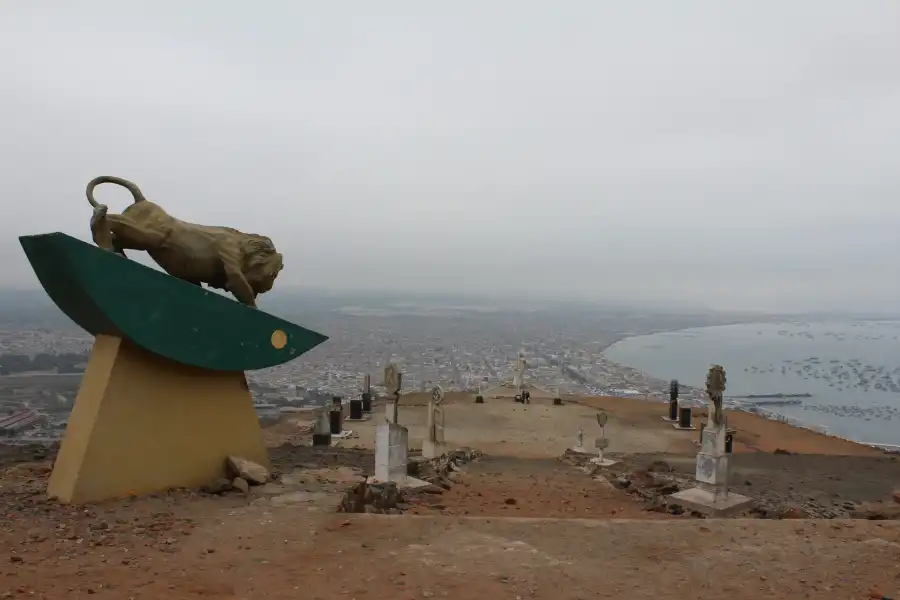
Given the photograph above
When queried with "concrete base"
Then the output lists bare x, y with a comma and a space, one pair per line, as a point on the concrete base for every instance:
677, 426
320, 440
142, 423
366, 416
391, 453
433, 449
409, 483
705, 502
668, 420
604, 462
584, 450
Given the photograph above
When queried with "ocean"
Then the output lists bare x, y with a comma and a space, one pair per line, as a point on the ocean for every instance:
851, 369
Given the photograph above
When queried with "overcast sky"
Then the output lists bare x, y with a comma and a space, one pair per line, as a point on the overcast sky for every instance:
741, 154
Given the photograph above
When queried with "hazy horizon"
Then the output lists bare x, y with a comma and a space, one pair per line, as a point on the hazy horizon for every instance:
737, 155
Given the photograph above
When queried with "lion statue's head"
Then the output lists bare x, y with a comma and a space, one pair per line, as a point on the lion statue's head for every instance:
262, 263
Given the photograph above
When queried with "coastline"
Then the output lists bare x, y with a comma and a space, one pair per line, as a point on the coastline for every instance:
697, 396
755, 433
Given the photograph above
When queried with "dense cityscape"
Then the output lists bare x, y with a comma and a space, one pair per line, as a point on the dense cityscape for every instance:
460, 347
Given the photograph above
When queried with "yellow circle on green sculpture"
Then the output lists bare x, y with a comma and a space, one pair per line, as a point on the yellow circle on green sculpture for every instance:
279, 339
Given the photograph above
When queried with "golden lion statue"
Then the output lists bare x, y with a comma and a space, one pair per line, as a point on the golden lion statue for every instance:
244, 264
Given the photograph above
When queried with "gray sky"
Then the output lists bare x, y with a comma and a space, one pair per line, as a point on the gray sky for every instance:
743, 154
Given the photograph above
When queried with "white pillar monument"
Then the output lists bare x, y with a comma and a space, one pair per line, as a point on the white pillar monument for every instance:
391, 453
393, 381
433, 445
711, 496
602, 443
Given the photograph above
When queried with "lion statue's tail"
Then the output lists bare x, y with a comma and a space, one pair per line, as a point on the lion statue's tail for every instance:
131, 187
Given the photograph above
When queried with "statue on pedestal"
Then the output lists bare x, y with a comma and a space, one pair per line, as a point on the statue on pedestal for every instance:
245, 264
715, 386
168, 354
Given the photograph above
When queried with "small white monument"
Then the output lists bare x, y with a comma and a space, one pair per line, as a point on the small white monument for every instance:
433, 445
391, 453
519, 375
581, 446
602, 443
711, 496
557, 399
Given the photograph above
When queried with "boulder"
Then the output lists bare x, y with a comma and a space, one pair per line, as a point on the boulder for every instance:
248, 470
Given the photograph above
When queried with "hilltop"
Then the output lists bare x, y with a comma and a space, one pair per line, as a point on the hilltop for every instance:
523, 520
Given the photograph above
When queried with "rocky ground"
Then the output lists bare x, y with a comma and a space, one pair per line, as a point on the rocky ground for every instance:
782, 485
526, 520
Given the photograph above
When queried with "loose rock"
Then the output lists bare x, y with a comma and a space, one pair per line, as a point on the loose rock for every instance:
218, 486
240, 484
252, 472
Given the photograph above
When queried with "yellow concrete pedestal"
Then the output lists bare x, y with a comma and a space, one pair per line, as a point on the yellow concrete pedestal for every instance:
142, 423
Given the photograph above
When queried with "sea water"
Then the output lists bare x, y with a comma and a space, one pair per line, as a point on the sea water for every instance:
851, 368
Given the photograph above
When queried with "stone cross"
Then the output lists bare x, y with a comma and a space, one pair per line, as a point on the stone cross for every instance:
393, 381
433, 445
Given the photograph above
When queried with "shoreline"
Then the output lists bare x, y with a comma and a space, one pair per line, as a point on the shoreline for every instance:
758, 411
756, 433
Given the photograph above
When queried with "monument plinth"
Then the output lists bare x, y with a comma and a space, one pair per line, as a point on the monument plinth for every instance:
164, 399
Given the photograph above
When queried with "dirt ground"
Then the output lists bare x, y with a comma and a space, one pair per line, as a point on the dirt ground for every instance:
635, 426
516, 487
537, 430
517, 523
282, 552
